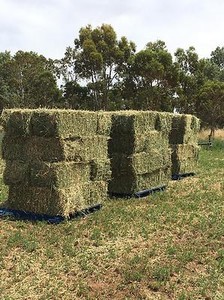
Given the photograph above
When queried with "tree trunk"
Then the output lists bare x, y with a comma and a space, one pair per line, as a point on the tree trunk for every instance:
212, 133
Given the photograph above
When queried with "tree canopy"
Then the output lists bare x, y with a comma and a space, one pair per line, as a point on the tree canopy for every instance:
102, 71
27, 80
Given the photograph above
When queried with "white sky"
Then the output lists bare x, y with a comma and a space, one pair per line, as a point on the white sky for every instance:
49, 26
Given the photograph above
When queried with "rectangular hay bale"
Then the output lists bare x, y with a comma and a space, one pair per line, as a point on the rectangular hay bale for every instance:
184, 158
132, 183
16, 121
139, 163
129, 144
63, 123
58, 175
16, 172
104, 123
185, 129
96, 192
52, 202
42, 200
100, 170
82, 149
133, 122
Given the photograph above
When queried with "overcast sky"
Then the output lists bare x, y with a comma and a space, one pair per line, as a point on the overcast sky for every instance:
49, 26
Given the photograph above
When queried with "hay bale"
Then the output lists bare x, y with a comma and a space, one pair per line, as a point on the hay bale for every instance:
63, 123
47, 201
95, 192
58, 175
100, 170
139, 149
86, 149
184, 129
148, 162
128, 143
131, 183
82, 149
51, 201
140, 122
16, 121
14, 148
184, 158
139, 163
163, 123
133, 122
104, 123
16, 172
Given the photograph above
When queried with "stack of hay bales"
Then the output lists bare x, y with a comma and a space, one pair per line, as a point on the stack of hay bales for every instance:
183, 141
139, 151
56, 160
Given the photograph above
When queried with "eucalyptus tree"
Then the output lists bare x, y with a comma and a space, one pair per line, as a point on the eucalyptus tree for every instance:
217, 57
97, 61
194, 73
153, 77
188, 63
210, 104
28, 80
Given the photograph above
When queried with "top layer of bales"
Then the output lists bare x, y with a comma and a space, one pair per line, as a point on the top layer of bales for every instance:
75, 123
16, 121
184, 129
104, 123
140, 122
133, 122
129, 144
55, 123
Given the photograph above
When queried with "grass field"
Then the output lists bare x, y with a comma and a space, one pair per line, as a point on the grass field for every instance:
166, 246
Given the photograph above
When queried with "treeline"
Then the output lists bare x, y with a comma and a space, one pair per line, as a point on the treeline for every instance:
101, 71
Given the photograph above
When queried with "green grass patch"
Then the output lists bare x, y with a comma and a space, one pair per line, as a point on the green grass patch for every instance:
166, 246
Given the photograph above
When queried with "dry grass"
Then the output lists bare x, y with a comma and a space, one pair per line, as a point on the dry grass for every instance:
203, 134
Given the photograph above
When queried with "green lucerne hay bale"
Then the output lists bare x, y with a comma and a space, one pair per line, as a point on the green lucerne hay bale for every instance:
186, 151
144, 163
128, 143
14, 148
95, 192
192, 130
64, 174
184, 130
48, 201
184, 158
51, 201
63, 123
85, 149
82, 149
139, 163
178, 129
100, 170
132, 122
184, 166
16, 172
131, 183
104, 123
58, 175
164, 123
16, 121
